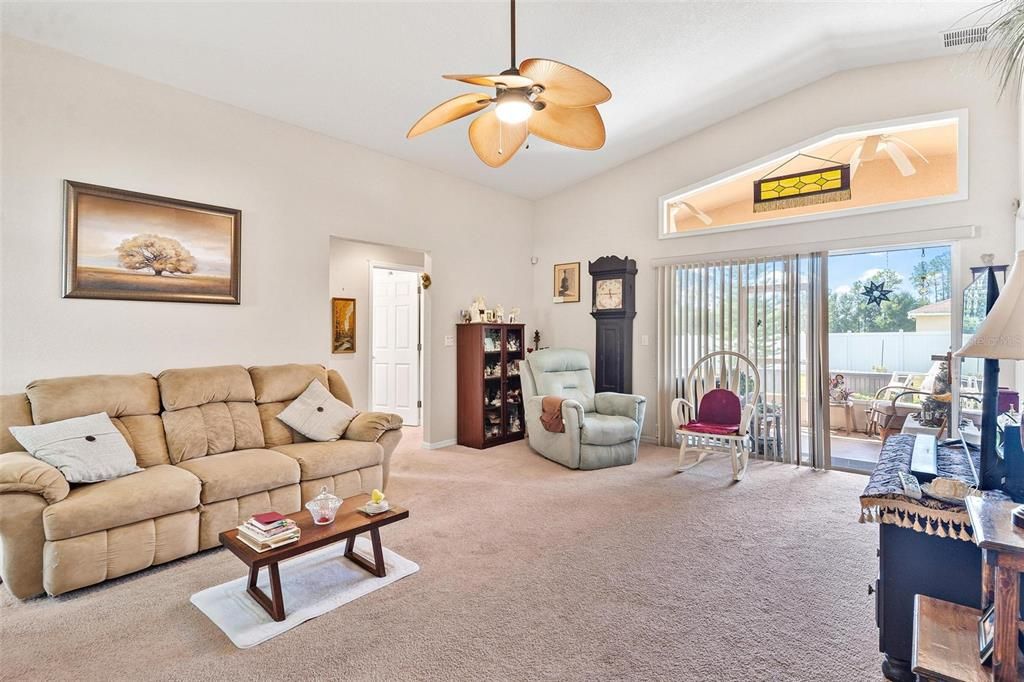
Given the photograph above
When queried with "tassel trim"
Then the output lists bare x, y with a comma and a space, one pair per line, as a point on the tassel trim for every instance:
905, 514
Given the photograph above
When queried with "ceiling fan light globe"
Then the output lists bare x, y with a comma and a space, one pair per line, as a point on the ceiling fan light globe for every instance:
514, 110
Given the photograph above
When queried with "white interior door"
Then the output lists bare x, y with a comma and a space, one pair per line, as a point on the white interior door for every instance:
395, 368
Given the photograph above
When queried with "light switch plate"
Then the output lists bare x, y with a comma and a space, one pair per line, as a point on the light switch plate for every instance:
449, 340
645, 340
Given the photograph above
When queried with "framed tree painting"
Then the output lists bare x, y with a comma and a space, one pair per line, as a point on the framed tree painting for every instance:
567, 283
126, 245
343, 325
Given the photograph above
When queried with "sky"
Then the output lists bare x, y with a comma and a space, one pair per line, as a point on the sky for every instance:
844, 270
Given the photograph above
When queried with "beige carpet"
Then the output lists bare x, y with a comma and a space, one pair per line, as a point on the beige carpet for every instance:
528, 571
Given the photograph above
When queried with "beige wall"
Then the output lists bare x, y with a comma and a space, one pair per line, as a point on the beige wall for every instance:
617, 212
64, 117
350, 278
932, 323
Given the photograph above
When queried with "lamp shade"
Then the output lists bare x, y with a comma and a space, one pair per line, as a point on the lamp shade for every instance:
1001, 334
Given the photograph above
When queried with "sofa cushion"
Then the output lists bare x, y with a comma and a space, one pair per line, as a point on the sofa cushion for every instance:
84, 449
181, 388
117, 395
243, 472
317, 460
15, 410
317, 414
132, 401
281, 383
212, 428
607, 429
151, 493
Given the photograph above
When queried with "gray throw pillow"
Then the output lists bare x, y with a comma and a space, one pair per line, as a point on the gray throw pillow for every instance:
317, 414
85, 449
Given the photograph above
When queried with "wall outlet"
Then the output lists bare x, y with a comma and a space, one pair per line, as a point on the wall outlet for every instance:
645, 340
449, 340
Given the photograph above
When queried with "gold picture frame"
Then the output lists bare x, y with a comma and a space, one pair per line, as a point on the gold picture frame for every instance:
566, 286
142, 247
343, 325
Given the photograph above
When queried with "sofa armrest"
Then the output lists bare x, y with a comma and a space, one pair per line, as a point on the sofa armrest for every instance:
20, 472
572, 412
370, 426
621, 405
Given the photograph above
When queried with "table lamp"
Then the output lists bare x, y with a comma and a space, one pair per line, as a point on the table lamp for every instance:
999, 337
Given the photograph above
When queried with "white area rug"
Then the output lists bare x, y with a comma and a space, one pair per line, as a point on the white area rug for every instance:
313, 584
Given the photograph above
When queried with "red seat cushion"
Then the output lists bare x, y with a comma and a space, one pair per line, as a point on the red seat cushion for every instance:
712, 429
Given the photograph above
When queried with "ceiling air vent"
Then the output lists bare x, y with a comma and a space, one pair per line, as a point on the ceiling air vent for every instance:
965, 36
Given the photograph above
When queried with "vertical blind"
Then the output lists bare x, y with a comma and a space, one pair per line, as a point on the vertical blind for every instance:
769, 309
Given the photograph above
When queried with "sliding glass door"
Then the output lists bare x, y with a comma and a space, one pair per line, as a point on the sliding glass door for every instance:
768, 309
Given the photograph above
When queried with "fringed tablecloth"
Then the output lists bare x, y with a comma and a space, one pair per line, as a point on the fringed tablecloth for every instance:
883, 500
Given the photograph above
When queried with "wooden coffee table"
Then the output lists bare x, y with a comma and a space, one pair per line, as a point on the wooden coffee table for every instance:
347, 525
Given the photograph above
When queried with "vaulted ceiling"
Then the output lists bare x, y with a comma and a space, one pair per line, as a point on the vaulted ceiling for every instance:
365, 71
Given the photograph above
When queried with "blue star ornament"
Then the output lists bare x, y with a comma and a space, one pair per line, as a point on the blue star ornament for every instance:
876, 292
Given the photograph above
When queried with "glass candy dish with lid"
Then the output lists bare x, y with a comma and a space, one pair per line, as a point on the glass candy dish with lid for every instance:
324, 507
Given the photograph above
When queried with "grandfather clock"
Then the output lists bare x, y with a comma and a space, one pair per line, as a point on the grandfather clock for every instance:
614, 307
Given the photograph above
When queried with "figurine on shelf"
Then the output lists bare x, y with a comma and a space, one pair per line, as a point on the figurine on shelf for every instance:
492, 370
499, 313
465, 316
477, 311
536, 339
512, 369
515, 395
512, 342
515, 423
513, 316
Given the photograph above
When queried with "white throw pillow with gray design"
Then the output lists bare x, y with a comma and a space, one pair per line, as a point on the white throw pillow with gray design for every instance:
317, 414
85, 449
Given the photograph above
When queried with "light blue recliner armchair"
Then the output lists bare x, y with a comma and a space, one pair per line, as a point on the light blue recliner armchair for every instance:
601, 430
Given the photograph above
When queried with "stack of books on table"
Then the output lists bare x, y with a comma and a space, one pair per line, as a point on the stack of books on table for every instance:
268, 531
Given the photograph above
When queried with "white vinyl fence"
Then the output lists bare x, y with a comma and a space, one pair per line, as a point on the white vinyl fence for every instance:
885, 352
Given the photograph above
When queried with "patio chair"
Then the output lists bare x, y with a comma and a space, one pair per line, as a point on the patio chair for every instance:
884, 416
722, 389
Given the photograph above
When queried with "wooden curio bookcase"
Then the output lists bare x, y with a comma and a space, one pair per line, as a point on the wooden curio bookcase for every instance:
490, 395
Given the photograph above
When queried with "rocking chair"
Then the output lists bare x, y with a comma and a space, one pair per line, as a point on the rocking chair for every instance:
722, 389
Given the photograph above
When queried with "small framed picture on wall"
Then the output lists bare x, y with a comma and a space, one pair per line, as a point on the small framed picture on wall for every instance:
343, 325
567, 283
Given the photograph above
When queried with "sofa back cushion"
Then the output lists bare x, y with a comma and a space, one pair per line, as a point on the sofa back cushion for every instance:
278, 385
209, 410
132, 401
15, 410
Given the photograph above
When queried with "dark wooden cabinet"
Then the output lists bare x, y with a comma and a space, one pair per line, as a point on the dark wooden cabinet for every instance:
490, 395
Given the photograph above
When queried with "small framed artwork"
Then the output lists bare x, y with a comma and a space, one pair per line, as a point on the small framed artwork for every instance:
141, 247
567, 283
343, 325
986, 634
489, 316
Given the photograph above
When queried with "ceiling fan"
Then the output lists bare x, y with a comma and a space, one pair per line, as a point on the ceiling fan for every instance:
684, 208
869, 148
551, 100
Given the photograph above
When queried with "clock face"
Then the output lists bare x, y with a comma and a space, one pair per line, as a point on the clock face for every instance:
608, 295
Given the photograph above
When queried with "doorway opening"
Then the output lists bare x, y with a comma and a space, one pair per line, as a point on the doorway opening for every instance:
387, 367
396, 341
890, 327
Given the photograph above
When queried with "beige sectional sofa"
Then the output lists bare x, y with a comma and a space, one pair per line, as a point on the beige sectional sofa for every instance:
212, 452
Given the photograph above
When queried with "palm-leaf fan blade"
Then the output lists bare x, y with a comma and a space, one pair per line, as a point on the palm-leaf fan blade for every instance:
580, 127
496, 142
449, 111
508, 80
565, 85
